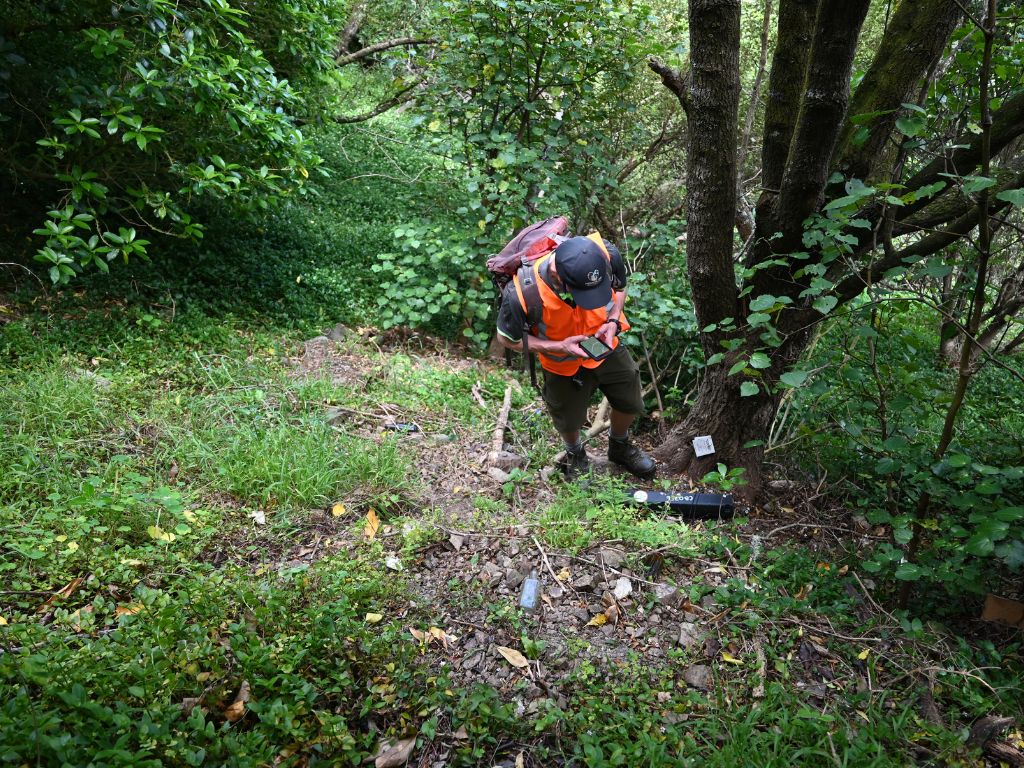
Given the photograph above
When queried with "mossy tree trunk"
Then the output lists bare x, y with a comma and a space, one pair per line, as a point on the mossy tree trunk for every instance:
807, 137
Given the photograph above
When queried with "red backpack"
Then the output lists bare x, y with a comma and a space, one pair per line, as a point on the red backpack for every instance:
529, 244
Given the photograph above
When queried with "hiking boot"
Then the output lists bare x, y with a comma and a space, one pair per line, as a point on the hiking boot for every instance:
575, 463
627, 455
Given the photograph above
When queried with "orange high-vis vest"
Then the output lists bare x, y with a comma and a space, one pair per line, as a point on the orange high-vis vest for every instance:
560, 320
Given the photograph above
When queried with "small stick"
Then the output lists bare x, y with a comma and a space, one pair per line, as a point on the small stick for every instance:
498, 441
762, 669
544, 559
654, 377
477, 396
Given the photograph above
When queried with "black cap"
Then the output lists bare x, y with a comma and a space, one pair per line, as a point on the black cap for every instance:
581, 265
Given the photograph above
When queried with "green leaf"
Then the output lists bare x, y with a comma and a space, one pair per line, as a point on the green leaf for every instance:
908, 572
980, 545
749, 388
977, 183
1012, 196
760, 360
1012, 553
958, 460
924, 192
825, 304
762, 302
737, 367
910, 126
793, 378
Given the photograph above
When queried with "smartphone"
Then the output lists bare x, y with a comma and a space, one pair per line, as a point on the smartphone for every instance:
595, 348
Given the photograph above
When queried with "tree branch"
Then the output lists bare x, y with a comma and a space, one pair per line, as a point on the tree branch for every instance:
821, 112
351, 28
404, 95
343, 60
852, 285
911, 46
785, 85
677, 81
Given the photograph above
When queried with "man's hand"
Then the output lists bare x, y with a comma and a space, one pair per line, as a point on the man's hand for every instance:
571, 346
606, 333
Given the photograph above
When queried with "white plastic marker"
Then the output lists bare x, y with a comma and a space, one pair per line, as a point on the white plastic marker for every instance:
703, 445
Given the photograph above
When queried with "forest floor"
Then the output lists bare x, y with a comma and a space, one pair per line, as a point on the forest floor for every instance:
226, 546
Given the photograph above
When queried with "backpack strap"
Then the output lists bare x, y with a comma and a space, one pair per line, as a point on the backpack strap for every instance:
531, 295
534, 315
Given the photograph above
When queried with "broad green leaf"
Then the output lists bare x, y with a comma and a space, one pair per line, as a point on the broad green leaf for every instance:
1012, 196
825, 304
760, 360
977, 183
793, 378
910, 126
958, 460
762, 302
909, 572
749, 388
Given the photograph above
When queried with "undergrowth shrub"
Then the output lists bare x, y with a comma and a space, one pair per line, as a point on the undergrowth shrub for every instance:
875, 422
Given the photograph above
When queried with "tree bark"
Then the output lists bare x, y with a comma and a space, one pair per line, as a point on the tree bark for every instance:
351, 28
786, 84
711, 159
911, 46
821, 114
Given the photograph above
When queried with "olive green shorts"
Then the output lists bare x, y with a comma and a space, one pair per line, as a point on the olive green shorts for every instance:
618, 378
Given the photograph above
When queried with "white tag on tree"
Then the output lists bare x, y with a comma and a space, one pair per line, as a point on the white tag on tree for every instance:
703, 446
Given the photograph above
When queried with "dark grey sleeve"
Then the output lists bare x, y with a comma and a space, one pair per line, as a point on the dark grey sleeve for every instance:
618, 267
511, 316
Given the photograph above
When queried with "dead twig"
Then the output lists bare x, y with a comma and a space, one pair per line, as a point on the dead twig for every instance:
547, 563
498, 440
475, 391
654, 377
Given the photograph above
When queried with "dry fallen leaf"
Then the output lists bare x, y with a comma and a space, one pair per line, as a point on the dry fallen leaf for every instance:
844, 570
393, 563
236, 710
730, 658
513, 657
61, 594
372, 524
396, 754
436, 633
418, 635
863, 654
128, 609
520, 761
373, 618
3, 621
598, 620
338, 510
462, 734
563, 574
